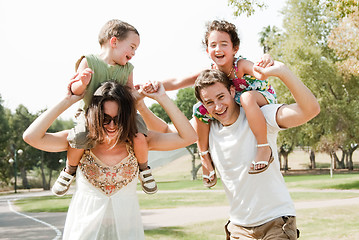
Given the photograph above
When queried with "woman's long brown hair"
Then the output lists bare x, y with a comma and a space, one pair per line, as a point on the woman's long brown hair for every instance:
112, 91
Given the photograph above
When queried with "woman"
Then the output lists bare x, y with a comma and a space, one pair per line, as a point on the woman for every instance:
105, 204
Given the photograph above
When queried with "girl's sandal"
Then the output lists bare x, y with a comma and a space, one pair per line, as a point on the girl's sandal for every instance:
266, 163
207, 182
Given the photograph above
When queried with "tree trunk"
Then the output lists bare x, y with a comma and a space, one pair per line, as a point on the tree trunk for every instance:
25, 182
280, 159
312, 159
192, 150
350, 155
44, 184
350, 162
341, 161
285, 156
50, 177
333, 156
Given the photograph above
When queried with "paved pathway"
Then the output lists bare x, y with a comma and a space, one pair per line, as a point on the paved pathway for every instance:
15, 225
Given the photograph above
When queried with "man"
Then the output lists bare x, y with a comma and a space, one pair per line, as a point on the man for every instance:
260, 204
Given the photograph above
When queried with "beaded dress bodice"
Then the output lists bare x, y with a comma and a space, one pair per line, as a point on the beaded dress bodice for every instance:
109, 179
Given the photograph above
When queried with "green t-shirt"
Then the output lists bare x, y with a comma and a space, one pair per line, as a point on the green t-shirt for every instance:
103, 72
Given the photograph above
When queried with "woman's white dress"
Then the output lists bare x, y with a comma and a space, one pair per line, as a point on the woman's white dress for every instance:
105, 204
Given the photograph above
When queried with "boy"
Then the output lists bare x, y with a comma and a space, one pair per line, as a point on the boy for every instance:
119, 41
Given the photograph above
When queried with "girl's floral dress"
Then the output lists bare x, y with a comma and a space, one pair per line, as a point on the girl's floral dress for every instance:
244, 84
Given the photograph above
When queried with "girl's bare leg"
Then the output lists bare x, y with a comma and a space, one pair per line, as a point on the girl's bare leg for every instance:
202, 130
251, 102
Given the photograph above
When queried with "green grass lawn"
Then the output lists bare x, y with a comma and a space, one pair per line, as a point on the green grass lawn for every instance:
314, 224
323, 223
209, 197
339, 181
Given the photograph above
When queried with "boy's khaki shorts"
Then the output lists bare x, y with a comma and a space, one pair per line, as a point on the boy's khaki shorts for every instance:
279, 228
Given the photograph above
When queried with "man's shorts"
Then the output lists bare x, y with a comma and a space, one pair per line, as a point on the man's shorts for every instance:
279, 228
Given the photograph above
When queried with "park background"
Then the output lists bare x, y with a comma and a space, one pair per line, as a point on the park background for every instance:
317, 39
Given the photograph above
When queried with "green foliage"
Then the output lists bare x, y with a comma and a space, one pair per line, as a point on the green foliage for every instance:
341, 8
4, 139
269, 37
160, 112
12, 126
185, 101
304, 47
246, 6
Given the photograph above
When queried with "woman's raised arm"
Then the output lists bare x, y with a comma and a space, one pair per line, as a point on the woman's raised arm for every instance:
185, 134
36, 134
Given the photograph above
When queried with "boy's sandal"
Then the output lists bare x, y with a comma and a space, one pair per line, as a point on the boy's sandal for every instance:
266, 163
148, 182
62, 183
207, 182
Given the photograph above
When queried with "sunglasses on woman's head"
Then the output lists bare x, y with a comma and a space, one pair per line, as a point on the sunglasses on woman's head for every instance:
107, 119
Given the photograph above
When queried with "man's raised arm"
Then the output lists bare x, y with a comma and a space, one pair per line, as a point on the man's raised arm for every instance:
306, 105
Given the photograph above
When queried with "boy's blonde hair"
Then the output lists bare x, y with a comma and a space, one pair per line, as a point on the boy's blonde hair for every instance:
115, 28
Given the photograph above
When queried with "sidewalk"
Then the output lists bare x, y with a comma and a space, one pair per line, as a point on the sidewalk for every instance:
157, 218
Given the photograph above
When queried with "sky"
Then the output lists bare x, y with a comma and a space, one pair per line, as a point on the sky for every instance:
41, 40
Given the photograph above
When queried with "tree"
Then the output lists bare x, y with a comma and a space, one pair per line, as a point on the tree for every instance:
5, 167
304, 46
341, 8
19, 121
344, 40
160, 112
185, 99
269, 38
246, 6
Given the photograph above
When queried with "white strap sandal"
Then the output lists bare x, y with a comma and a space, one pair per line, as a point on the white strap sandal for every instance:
210, 183
266, 163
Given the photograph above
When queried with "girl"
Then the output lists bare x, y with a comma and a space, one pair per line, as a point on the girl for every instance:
222, 44
105, 204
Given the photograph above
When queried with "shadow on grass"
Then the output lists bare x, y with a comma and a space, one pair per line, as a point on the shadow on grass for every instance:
346, 186
167, 233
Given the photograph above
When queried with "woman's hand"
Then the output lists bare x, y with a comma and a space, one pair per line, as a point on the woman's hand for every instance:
156, 95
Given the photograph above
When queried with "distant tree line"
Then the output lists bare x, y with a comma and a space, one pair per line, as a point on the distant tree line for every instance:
320, 43
31, 164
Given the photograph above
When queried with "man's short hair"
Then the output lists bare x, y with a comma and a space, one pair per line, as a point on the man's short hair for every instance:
209, 77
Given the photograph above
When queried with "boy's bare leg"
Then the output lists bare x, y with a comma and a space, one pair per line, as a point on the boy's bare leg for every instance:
74, 156
67, 175
140, 148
